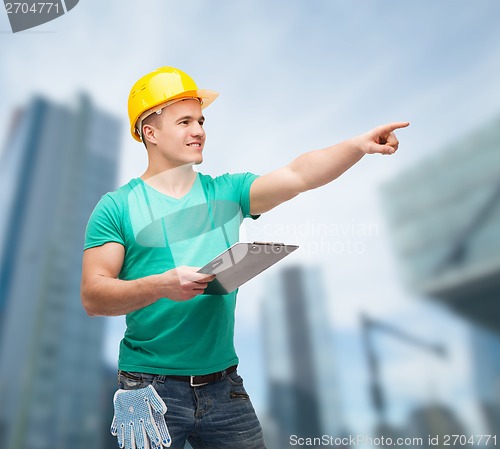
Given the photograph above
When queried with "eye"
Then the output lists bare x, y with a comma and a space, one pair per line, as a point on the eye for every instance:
184, 122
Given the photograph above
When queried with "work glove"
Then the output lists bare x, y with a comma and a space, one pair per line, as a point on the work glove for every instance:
139, 421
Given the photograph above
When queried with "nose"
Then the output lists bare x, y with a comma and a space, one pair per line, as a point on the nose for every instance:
197, 130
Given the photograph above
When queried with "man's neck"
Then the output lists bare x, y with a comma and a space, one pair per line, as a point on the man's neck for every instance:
175, 182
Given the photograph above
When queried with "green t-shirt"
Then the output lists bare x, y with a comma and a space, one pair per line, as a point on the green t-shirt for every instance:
160, 233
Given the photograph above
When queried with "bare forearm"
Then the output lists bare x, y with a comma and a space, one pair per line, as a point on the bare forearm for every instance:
106, 296
317, 168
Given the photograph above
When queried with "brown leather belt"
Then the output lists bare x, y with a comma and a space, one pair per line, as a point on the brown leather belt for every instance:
198, 381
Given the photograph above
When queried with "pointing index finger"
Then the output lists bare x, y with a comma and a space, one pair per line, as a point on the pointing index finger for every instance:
390, 127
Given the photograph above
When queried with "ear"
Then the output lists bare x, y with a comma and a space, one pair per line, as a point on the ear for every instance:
149, 134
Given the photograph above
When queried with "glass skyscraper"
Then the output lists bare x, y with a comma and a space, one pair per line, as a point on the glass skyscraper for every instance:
57, 163
303, 396
444, 217
485, 346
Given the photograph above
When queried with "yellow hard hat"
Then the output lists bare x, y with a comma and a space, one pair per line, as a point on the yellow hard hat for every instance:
157, 89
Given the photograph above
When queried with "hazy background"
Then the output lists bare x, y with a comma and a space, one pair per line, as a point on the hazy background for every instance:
295, 76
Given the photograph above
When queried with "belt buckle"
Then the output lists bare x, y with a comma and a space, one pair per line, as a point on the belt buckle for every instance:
191, 382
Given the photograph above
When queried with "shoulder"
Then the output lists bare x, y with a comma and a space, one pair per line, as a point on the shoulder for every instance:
230, 187
119, 197
113, 204
231, 180
106, 223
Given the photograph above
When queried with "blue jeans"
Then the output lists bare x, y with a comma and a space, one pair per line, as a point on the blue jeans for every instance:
214, 416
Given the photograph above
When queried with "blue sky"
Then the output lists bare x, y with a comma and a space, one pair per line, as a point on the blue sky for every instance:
294, 76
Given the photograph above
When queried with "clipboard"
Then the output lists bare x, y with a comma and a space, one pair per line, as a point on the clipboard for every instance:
242, 262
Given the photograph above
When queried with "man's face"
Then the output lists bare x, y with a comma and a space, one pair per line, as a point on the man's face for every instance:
180, 136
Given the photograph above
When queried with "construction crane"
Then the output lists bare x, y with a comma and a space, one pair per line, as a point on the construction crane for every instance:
368, 326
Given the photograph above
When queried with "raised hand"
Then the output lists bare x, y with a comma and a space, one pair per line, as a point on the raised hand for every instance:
381, 139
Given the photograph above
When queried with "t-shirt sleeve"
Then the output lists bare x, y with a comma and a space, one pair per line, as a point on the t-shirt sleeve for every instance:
242, 183
104, 224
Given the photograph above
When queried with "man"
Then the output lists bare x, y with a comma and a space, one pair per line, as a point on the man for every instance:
144, 244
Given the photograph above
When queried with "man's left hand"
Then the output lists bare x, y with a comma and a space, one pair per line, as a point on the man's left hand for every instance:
381, 139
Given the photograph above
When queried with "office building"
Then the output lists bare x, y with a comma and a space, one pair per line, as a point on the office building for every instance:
444, 218
485, 350
57, 163
435, 426
303, 396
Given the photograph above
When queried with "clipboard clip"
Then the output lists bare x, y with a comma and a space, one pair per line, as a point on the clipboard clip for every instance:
273, 246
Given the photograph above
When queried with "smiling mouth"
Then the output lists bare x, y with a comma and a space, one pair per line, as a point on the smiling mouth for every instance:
194, 144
